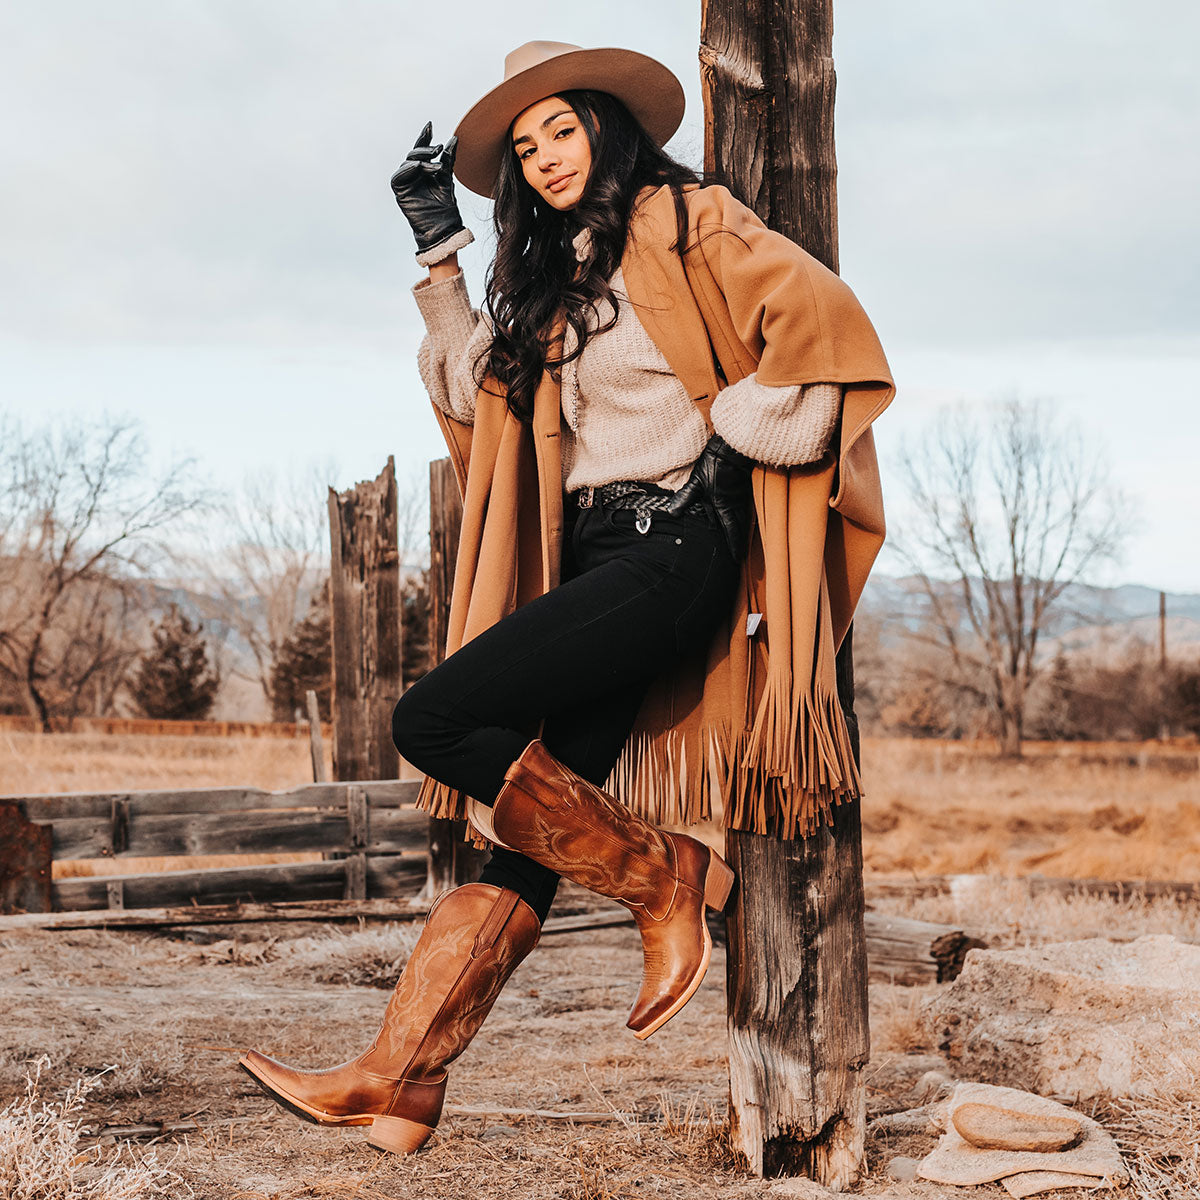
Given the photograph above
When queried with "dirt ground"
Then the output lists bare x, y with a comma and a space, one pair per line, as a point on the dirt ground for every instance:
169, 1016
165, 1015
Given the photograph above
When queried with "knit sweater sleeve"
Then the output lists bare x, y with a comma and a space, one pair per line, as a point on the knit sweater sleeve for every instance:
780, 426
456, 337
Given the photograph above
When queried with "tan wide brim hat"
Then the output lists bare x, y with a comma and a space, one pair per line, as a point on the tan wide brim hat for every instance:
536, 70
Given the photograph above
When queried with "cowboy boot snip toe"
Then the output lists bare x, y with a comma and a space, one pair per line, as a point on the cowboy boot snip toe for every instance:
473, 940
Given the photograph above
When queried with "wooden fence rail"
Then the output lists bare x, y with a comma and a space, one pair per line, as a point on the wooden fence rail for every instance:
373, 839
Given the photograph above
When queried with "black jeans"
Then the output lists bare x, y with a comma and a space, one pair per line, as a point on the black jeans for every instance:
580, 658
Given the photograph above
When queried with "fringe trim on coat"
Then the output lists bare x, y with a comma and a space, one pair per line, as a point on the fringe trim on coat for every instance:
795, 763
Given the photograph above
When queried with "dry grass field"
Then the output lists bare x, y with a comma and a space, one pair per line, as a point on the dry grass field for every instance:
935, 808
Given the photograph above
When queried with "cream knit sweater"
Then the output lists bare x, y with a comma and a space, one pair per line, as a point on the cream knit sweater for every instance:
625, 413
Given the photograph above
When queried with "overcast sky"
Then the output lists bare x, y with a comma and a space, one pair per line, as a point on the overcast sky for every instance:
196, 226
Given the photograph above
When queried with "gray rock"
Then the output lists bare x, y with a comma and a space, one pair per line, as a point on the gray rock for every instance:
1084, 1019
993, 1128
902, 1169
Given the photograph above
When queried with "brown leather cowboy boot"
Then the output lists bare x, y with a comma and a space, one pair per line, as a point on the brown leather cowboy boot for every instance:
564, 822
472, 942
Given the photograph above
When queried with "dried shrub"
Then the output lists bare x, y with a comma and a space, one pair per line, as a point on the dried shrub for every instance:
1159, 1137
42, 1158
365, 958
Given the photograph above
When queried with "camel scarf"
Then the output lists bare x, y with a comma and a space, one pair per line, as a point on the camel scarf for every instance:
753, 728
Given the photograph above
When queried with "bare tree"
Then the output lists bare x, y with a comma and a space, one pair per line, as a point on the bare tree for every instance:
266, 557
269, 554
81, 519
1004, 516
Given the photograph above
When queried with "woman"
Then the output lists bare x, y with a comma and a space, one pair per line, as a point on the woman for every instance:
648, 354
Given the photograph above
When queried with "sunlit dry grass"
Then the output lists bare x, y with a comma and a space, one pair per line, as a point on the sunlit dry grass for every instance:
933, 809
38, 763
1007, 914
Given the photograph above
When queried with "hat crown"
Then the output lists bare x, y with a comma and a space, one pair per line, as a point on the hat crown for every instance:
532, 54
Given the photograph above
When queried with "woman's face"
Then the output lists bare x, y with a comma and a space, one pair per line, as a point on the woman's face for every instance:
553, 151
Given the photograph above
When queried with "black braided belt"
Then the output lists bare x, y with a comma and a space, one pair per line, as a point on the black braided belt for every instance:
643, 498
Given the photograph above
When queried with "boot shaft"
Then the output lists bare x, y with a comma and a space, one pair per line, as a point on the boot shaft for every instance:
474, 938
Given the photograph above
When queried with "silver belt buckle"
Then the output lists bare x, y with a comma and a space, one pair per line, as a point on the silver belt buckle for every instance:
584, 498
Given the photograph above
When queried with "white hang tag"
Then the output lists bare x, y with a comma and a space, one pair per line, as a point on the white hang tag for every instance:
753, 621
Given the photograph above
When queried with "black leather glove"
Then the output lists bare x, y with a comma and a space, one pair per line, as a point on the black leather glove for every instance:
721, 475
424, 189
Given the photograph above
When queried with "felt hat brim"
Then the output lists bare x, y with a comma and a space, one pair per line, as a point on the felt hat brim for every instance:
648, 89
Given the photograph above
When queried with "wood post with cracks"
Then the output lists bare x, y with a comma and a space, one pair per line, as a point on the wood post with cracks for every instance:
364, 588
452, 860
797, 968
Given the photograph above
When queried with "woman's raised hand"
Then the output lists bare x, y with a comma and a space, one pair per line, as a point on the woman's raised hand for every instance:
424, 188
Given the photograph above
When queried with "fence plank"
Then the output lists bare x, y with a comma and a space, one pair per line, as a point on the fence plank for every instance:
384, 793
385, 876
221, 914
398, 831
157, 835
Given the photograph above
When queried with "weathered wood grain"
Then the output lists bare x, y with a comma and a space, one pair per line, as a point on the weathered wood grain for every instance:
797, 970
382, 793
766, 71
365, 615
155, 835
399, 909
25, 856
316, 745
384, 876
274, 831
398, 831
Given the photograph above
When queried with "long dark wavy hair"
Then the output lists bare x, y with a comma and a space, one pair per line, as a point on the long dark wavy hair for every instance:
533, 277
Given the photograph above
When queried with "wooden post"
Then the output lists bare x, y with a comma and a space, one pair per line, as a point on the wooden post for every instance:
358, 817
797, 970
1164, 687
25, 858
316, 744
452, 860
445, 525
365, 609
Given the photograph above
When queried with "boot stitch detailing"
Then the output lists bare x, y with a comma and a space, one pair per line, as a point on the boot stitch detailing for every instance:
432, 1025
548, 830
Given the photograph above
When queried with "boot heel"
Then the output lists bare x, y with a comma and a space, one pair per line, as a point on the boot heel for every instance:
398, 1135
718, 882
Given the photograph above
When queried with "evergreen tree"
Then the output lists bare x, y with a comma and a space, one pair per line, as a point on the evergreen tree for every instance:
174, 679
304, 663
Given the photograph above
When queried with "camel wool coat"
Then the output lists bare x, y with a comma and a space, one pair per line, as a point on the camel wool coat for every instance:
753, 727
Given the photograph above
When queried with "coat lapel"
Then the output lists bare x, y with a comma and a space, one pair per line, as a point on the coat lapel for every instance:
659, 293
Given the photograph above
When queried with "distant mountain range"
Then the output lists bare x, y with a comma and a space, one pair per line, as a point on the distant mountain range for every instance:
1102, 622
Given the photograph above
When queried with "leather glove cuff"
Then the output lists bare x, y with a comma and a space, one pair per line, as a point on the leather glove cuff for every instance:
447, 246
